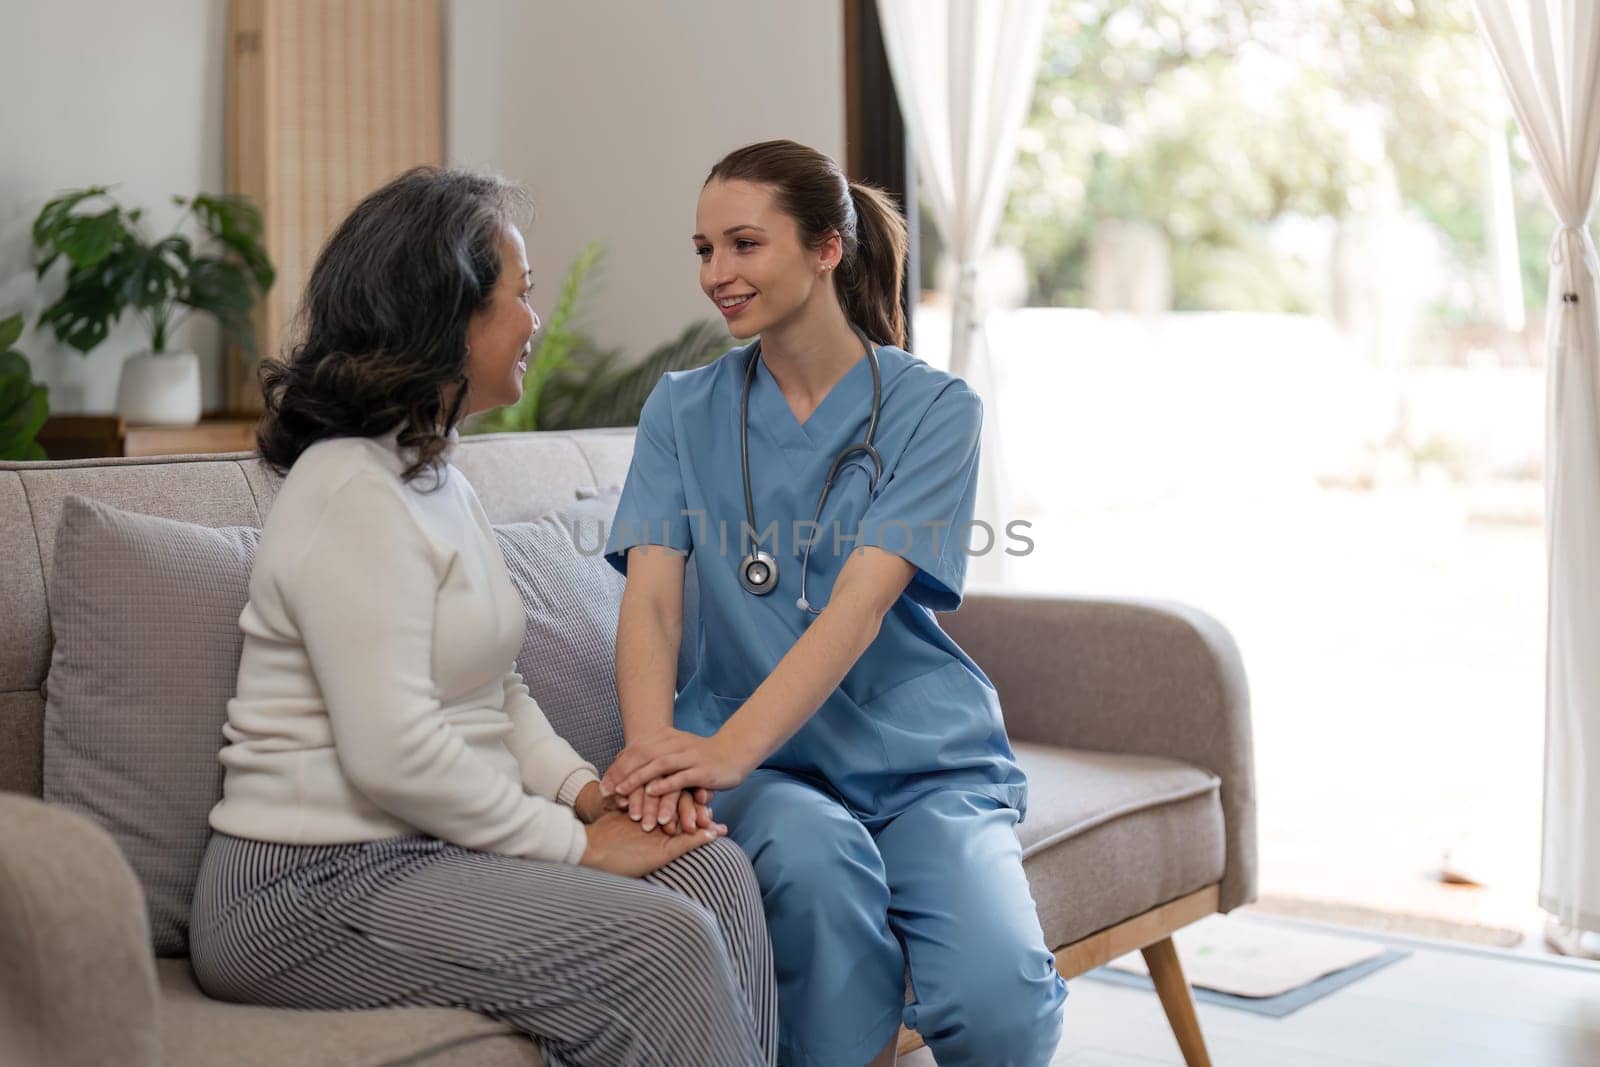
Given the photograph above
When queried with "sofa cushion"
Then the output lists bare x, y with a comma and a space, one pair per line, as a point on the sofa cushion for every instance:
1109, 836
571, 598
146, 618
198, 1032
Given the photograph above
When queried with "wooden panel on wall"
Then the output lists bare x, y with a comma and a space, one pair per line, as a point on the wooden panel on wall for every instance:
327, 100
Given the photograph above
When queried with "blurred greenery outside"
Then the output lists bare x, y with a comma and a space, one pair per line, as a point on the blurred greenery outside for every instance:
1352, 487
1217, 122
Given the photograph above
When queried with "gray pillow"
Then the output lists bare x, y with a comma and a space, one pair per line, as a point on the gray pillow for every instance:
571, 597
146, 619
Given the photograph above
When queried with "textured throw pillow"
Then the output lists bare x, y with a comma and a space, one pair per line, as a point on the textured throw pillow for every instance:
146, 619
571, 597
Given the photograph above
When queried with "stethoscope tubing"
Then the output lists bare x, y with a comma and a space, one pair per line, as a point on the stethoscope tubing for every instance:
758, 570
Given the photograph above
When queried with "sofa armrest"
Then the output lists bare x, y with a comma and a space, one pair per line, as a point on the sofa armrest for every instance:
1133, 676
78, 981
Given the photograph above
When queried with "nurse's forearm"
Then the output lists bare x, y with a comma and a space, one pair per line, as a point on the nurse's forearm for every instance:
647, 667
811, 670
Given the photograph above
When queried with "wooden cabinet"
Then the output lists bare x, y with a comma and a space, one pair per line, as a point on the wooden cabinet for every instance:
101, 436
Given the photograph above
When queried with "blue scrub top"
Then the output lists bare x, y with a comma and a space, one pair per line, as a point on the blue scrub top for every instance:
914, 713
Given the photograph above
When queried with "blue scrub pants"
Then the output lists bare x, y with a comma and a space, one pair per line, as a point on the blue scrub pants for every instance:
939, 886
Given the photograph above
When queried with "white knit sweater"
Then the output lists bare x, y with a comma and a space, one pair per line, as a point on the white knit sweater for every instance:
378, 694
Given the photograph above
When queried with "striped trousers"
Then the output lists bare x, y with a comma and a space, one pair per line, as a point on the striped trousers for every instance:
673, 969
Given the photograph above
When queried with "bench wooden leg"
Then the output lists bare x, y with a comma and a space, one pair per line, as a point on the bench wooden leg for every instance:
1167, 973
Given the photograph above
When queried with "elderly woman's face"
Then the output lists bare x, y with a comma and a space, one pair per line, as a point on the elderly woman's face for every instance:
500, 335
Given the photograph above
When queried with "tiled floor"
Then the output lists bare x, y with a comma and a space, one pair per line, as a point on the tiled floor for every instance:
1446, 1004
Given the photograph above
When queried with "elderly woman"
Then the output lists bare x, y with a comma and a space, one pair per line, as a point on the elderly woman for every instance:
400, 825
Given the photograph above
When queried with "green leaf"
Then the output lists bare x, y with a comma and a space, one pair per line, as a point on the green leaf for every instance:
142, 276
57, 211
222, 289
14, 368
83, 316
593, 393
17, 432
87, 239
21, 421
10, 331
177, 246
216, 286
236, 223
229, 215
16, 393
23, 409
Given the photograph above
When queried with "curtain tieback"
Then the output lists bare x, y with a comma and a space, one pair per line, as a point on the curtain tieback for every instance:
1570, 245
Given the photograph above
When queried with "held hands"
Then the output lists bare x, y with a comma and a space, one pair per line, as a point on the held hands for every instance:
671, 760
615, 845
677, 812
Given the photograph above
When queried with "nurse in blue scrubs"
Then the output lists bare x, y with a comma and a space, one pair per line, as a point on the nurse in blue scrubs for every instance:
859, 754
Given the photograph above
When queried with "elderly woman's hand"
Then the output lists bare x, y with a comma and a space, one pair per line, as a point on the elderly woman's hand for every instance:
592, 803
615, 845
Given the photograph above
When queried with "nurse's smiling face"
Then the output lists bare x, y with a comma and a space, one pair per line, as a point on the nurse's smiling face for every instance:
753, 264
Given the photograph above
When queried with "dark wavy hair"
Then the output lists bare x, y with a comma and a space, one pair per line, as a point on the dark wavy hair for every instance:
811, 189
381, 334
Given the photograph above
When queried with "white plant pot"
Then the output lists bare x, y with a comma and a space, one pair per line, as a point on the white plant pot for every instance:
160, 388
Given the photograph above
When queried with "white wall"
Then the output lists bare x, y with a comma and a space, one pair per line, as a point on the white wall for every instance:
610, 112
613, 112
96, 92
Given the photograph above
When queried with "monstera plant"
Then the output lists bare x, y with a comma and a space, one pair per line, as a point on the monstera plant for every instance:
23, 405
113, 267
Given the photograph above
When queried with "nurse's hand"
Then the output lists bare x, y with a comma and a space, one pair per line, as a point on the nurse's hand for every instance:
675, 813
670, 760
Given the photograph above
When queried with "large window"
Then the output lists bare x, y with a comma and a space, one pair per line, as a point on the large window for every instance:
1268, 310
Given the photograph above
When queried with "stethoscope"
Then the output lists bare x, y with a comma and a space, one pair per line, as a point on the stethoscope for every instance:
758, 571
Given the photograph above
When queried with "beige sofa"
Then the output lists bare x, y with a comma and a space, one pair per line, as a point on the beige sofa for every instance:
1130, 718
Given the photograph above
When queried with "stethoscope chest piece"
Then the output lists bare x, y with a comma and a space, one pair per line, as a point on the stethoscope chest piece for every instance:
758, 573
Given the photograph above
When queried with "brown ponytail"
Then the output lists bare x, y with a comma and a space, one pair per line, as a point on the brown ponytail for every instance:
869, 281
810, 188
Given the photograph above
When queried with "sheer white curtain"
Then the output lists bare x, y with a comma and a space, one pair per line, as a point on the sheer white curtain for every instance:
1548, 55
964, 72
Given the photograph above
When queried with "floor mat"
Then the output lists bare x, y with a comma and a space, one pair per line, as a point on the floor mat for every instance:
1259, 967
1394, 922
